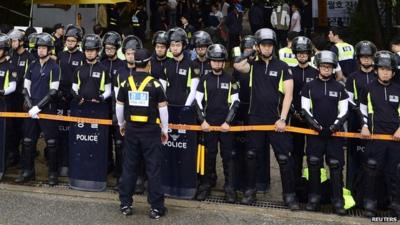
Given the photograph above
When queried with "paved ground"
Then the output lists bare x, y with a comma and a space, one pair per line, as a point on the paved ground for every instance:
22, 205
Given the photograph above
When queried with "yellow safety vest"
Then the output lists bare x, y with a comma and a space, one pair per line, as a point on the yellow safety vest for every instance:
286, 55
345, 51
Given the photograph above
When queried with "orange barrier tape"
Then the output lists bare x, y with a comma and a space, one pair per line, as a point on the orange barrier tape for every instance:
299, 130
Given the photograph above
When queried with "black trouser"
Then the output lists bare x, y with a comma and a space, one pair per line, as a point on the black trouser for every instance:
148, 145
118, 141
282, 146
332, 149
16, 124
299, 141
384, 156
32, 130
227, 152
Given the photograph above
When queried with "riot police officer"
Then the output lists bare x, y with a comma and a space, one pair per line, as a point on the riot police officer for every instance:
159, 58
380, 104
181, 75
69, 60
271, 86
41, 84
141, 107
320, 96
302, 74
356, 84
201, 40
8, 85
220, 94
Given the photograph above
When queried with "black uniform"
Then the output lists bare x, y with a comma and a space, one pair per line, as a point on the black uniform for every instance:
325, 96
217, 90
266, 96
301, 76
179, 76
158, 67
356, 85
41, 76
383, 105
204, 67
142, 137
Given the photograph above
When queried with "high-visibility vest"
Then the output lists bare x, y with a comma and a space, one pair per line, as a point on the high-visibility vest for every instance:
286, 55
345, 51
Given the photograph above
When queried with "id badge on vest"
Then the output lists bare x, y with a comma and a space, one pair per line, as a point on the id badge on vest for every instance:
138, 98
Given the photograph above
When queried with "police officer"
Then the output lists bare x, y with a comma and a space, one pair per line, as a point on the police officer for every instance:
181, 76
20, 59
69, 60
220, 94
8, 85
356, 84
91, 82
40, 90
201, 40
343, 50
141, 107
271, 85
286, 54
302, 74
159, 57
320, 96
380, 105
130, 44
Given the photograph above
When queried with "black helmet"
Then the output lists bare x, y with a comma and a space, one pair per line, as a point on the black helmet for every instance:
74, 31
365, 48
385, 59
142, 57
201, 38
265, 35
112, 38
217, 52
160, 37
248, 42
301, 44
131, 42
44, 39
4, 42
32, 40
326, 57
16, 35
177, 34
91, 41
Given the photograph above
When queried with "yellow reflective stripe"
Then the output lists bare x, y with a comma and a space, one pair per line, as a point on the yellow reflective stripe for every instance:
189, 78
309, 94
370, 107
281, 87
251, 76
6, 80
118, 81
229, 93
142, 85
51, 78
79, 80
103, 81
355, 90
143, 119
26, 67
205, 91
345, 51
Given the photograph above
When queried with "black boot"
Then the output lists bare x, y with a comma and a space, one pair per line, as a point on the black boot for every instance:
118, 158
229, 169
370, 201
314, 183
288, 182
28, 171
249, 197
337, 186
52, 161
203, 192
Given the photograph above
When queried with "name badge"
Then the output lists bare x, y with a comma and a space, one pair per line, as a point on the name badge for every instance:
2, 73
273, 73
96, 74
182, 72
393, 98
225, 86
333, 93
22, 63
138, 98
309, 79
75, 63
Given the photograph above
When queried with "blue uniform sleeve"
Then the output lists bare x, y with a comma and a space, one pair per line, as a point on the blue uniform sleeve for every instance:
306, 91
56, 73
335, 50
200, 87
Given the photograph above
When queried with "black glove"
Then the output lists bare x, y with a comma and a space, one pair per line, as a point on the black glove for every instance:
326, 132
335, 127
100, 98
2, 92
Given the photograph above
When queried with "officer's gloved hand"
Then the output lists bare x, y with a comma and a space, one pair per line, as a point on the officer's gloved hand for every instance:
100, 98
326, 132
2, 92
335, 127
33, 113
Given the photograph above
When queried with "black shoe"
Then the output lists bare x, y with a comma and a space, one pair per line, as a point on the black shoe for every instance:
139, 186
249, 197
126, 210
230, 195
157, 213
53, 179
291, 201
339, 211
203, 192
25, 177
313, 206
